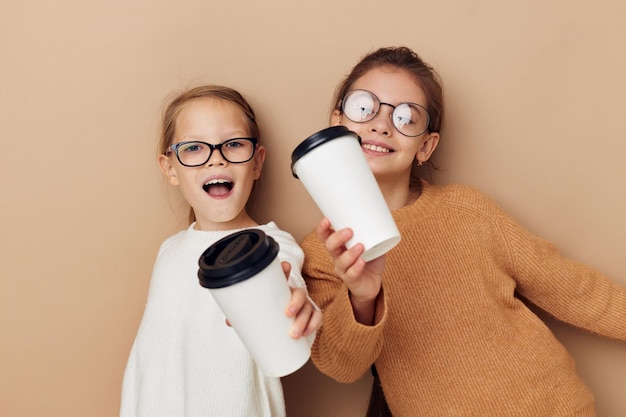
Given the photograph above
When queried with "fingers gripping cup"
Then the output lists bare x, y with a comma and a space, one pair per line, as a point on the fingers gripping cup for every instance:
245, 278
334, 171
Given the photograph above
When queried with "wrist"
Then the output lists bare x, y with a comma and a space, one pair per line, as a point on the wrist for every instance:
363, 309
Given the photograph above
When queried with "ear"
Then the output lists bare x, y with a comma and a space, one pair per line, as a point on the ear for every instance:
336, 118
428, 147
167, 168
259, 159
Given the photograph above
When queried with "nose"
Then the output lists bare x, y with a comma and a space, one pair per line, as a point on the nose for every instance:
215, 158
382, 123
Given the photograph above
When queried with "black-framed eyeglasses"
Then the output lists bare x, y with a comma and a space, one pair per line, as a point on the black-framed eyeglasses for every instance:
197, 153
410, 119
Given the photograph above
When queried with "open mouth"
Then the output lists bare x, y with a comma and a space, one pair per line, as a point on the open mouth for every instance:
218, 187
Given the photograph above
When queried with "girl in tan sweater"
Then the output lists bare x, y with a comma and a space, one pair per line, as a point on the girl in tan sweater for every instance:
442, 315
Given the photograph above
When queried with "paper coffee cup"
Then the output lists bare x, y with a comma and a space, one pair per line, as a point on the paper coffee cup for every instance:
335, 172
245, 278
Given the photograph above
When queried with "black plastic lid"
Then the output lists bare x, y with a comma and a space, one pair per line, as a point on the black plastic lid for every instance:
236, 258
317, 139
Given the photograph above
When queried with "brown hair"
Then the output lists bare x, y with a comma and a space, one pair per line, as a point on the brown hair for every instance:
175, 106
405, 59
173, 109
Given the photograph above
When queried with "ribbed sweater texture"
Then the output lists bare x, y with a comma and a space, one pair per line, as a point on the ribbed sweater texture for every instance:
185, 360
453, 335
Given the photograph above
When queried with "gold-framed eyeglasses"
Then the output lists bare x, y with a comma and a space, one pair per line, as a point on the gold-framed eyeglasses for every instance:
410, 119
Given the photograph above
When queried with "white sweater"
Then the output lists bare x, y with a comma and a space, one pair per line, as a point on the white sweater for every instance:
185, 361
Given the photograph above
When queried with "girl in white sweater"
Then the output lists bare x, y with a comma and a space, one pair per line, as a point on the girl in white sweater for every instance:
185, 360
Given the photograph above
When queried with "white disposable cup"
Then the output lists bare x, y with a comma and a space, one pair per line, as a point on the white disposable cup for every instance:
246, 279
335, 173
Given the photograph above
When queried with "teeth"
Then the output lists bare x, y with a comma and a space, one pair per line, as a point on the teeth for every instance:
375, 148
217, 181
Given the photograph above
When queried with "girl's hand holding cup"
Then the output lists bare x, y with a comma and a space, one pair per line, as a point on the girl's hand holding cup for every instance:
363, 279
308, 316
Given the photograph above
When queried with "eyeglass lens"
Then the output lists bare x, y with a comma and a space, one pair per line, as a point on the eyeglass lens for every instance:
198, 153
410, 119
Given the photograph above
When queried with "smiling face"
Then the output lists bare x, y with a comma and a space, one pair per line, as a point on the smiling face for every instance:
389, 153
218, 190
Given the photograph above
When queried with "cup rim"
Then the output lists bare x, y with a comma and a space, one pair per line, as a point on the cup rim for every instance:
235, 258
317, 139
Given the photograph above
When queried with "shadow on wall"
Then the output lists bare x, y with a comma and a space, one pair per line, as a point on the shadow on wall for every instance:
309, 393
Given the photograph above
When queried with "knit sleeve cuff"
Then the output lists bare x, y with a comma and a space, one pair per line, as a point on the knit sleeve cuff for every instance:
344, 348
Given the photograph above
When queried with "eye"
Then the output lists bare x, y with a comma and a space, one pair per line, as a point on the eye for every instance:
235, 144
192, 147
403, 115
359, 106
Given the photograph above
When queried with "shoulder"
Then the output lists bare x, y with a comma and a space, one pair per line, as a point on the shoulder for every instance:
452, 192
171, 241
277, 233
463, 197
448, 203
285, 240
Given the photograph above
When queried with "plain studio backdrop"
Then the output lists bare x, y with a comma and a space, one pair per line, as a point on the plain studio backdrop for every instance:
536, 99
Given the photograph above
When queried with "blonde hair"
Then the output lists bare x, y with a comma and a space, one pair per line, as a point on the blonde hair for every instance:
175, 106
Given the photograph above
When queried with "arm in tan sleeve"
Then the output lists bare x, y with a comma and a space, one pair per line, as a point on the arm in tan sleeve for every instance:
570, 291
344, 349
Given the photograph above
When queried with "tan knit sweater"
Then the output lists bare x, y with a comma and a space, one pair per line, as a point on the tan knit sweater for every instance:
451, 335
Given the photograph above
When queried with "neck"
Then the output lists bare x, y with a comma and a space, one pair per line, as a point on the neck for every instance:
242, 221
397, 193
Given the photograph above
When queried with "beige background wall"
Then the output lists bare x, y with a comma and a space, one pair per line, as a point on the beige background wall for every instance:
536, 98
